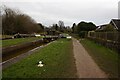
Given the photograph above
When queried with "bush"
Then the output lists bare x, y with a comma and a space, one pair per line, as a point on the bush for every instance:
82, 34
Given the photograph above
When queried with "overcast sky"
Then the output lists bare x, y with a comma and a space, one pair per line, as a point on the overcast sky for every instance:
48, 12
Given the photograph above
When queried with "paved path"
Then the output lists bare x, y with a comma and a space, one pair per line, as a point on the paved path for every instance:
86, 67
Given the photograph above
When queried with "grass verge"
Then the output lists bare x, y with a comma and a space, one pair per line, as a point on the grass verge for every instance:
17, 41
104, 57
57, 58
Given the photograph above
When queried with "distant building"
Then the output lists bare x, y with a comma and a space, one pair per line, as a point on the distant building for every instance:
114, 22
101, 27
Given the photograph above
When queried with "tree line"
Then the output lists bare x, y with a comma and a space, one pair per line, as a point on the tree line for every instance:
60, 27
14, 22
82, 28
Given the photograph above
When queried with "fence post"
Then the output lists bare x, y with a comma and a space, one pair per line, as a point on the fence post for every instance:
105, 36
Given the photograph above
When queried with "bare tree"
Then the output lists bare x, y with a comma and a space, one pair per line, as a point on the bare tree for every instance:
55, 27
61, 25
15, 22
8, 20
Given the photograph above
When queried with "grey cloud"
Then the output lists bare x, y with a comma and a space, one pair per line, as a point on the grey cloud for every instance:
51, 11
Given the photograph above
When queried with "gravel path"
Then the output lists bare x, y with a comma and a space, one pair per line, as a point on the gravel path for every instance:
86, 67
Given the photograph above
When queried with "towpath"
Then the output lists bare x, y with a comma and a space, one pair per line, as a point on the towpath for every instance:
86, 67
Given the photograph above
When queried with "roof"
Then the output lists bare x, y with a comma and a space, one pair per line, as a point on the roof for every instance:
101, 27
116, 23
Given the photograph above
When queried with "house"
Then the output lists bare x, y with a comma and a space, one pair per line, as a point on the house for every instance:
115, 25
101, 27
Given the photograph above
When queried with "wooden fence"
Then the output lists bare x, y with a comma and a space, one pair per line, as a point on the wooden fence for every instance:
108, 39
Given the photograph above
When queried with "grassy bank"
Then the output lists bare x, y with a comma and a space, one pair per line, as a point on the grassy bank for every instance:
57, 58
104, 57
17, 41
